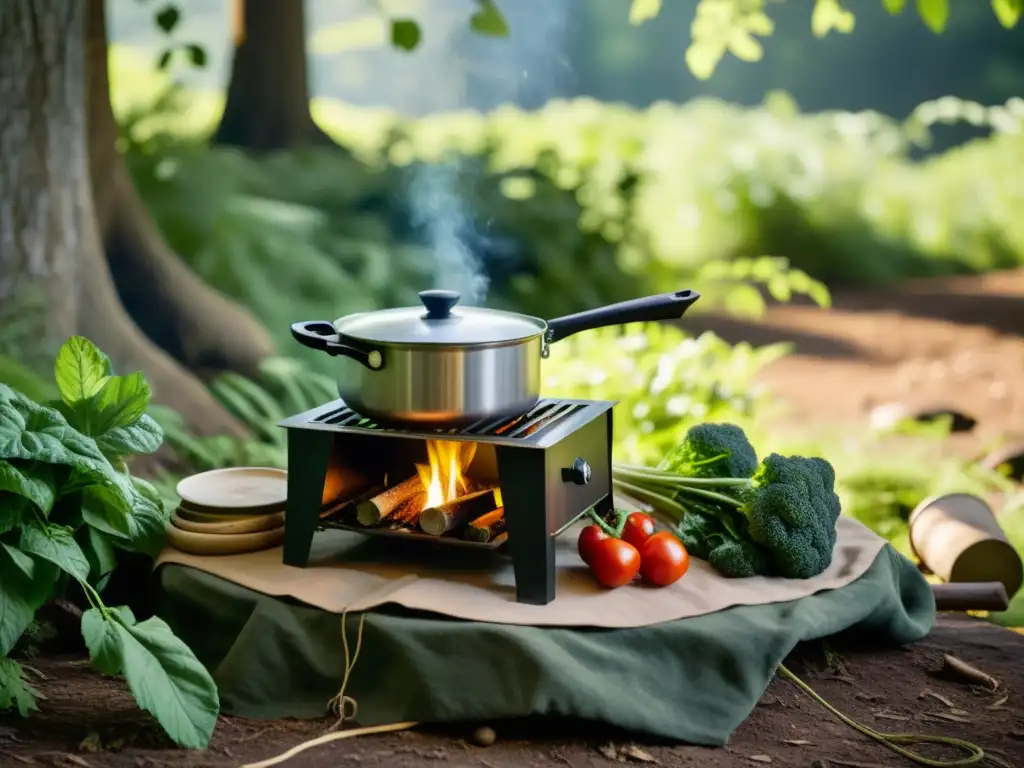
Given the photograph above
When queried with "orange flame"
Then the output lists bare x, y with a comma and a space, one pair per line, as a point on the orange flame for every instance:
444, 476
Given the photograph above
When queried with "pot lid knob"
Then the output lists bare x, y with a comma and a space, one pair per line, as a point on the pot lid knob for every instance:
439, 303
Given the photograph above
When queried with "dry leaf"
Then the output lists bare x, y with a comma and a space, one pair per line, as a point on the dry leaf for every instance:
609, 752
798, 742
761, 758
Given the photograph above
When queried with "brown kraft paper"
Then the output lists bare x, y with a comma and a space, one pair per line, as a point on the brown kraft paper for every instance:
352, 572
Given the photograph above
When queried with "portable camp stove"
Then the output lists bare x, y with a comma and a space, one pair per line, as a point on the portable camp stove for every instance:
551, 464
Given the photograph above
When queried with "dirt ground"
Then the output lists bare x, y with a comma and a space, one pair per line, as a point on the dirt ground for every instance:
950, 343
88, 720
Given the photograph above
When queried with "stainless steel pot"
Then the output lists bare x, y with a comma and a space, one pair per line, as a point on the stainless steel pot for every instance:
448, 367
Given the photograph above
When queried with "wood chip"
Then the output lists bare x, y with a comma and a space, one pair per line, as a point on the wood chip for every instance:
761, 758
798, 742
633, 752
960, 670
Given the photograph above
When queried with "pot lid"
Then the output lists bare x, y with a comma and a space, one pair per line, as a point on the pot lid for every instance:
439, 321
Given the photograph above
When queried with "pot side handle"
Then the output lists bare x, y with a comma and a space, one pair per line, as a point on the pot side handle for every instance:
665, 306
321, 336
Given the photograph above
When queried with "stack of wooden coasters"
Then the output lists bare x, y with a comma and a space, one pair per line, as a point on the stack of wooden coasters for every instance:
230, 511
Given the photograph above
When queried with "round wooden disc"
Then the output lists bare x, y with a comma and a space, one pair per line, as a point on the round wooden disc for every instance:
236, 524
223, 543
235, 489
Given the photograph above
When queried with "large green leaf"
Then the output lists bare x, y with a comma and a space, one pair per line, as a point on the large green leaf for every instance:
25, 584
56, 544
32, 432
121, 401
162, 672
13, 511
15, 693
81, 370
143, 436
98, 551
101, 511
147, 524
33, 480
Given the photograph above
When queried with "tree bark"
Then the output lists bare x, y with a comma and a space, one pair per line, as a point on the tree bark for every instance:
267, 104
49, 240
194, 323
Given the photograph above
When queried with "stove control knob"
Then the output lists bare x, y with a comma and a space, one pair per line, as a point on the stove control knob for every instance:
579, 473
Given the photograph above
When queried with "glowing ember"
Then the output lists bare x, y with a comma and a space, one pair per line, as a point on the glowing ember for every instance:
444, 476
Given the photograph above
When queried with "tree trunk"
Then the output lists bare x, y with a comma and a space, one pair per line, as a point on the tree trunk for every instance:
194, 323
267, 104
49, 241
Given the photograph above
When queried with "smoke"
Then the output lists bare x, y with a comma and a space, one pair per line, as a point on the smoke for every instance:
527, 69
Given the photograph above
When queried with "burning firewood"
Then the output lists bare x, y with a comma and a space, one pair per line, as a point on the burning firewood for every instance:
486, 527
381, 507
457, 513
346, 506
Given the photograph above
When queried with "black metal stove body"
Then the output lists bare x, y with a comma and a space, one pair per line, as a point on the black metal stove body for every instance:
552, 464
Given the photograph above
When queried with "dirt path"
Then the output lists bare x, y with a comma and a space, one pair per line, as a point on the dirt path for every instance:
956, 343
889, 690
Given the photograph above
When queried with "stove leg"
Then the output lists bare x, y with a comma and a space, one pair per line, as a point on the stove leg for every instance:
309, 453
529, 540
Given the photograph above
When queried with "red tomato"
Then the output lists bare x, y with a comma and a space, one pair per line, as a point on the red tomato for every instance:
614, 562
664, 559
638, 529
589, 537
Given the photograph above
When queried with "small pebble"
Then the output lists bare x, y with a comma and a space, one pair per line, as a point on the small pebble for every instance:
484, 736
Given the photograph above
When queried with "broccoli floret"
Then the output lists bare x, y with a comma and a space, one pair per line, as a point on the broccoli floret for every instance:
792, 512
712, 450
705, 537
776, 518
736, 559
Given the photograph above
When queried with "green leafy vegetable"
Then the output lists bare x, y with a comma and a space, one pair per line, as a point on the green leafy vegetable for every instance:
776, 518
25, 584
15, 693
81, 370
66, 503
161, 671
56, 544
32, 480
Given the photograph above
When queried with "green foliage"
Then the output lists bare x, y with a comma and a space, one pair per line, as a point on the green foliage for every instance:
734, 26
167, 17
66, 503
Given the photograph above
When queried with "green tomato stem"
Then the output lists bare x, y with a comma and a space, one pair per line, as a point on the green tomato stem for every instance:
661, 477
601, 523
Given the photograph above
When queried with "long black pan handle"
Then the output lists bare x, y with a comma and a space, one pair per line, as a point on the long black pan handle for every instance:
665, 306
321, 336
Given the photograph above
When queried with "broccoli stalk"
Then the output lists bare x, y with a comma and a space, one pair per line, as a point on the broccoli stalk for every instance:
778, 520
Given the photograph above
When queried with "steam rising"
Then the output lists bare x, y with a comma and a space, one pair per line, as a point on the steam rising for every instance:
526, 69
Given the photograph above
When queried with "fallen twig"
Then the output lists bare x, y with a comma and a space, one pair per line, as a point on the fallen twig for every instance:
960, 670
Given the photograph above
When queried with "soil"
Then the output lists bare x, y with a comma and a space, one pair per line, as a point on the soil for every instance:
952, 343
88, 720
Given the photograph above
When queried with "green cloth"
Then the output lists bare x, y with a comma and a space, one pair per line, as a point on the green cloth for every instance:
693, 680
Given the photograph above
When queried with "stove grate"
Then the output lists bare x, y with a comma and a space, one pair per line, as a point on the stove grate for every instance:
545, 414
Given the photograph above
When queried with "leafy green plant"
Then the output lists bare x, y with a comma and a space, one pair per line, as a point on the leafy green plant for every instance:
67, 503
738, 26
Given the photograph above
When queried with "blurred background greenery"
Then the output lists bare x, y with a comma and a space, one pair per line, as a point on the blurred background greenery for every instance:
580, 161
